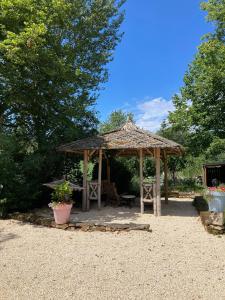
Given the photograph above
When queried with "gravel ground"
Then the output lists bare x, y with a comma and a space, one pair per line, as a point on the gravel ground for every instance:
178, 260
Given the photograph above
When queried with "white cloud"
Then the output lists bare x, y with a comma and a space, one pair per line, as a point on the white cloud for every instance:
150, 113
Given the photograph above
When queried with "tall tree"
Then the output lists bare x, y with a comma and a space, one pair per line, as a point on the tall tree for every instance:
53, 56
200, 107
53, 61
115, 120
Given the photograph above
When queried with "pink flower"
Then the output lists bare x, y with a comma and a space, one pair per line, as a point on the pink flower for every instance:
217, 189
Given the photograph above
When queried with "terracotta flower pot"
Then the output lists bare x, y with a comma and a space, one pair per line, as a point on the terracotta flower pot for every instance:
62, 213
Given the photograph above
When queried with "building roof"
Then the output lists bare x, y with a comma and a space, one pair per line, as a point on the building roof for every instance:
214, 165
126, 140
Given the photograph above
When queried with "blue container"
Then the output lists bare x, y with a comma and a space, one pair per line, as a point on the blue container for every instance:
217, 202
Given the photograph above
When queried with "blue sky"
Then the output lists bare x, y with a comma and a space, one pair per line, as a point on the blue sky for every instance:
160, 40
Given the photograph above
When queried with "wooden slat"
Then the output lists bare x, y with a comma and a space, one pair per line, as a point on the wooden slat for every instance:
147, 200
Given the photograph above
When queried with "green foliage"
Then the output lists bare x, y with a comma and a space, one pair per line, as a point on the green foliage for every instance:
216, 14
120, 174
73, 169
62, 193
116, 119
53, 57
193, 166
205, 86
200, 107
216, 150
198, 119
134, 185
186, 185
17, 173
148, 168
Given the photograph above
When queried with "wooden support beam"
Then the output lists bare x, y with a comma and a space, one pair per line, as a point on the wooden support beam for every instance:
150, 152
108, 170
91, 153
85, 169
99, 178
204, 176
158, 194
141, 180
165, 165
120, 152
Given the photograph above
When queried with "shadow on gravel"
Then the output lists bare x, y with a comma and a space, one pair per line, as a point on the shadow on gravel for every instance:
178, 208
4, 237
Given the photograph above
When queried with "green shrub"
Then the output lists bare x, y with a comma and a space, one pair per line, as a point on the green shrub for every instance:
134, 187
23, 170
185, 185
61, 194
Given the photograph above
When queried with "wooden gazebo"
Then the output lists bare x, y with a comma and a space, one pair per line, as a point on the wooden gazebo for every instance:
129, 140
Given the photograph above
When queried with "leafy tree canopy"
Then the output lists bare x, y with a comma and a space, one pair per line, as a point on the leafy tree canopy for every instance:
200, 107
115, 120
53, 61
199, 117
53, 56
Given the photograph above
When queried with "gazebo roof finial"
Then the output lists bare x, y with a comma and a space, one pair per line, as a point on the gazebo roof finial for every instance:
129, 118
129, 125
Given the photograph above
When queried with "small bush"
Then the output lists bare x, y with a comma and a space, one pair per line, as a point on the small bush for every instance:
185, 185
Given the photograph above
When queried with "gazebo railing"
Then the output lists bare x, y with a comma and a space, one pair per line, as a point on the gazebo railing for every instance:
92, 192
148, 194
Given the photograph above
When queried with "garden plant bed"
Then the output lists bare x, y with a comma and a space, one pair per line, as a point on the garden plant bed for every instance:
213, 222
83, 226
178, 194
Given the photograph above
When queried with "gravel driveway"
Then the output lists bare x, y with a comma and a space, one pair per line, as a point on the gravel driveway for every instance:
178, 260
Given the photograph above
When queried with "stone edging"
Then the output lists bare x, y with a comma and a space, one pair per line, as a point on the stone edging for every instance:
83, 226
213, 222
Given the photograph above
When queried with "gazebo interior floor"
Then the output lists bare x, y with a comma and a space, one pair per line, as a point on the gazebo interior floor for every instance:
123, 215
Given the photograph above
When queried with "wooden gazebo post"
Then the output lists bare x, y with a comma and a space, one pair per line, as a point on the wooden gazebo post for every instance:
141, 180
158, 193
99, 178
204, 176
85, 169
165, 165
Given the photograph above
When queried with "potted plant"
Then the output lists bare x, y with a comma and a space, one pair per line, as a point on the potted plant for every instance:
216, 198
61, 203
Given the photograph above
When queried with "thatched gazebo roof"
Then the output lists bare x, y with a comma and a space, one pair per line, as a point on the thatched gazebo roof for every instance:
127, 140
